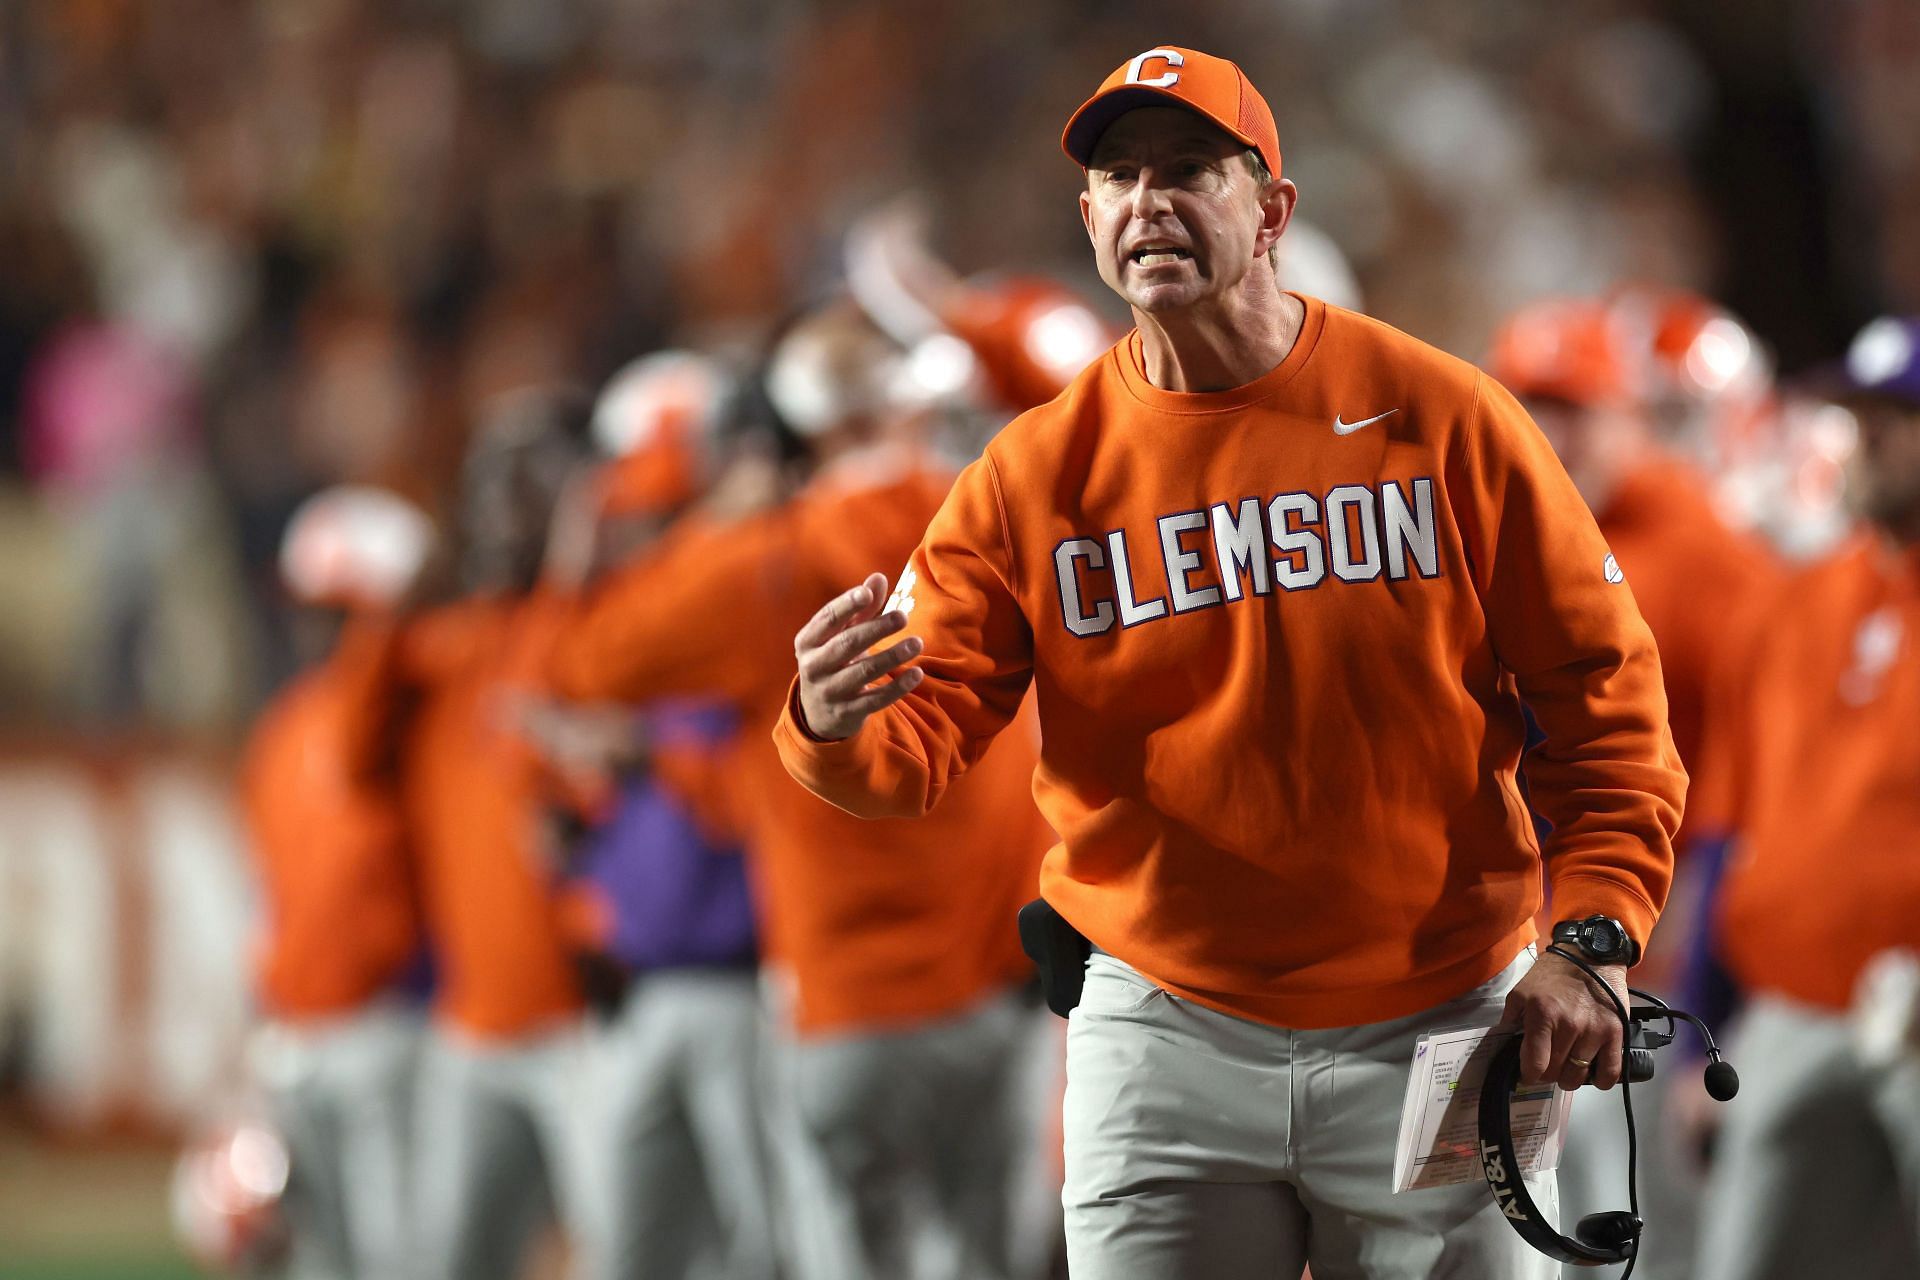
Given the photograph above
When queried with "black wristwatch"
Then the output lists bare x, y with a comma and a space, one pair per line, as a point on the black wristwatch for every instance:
1601, 939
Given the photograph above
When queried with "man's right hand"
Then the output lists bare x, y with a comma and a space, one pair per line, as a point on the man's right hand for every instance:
837, 674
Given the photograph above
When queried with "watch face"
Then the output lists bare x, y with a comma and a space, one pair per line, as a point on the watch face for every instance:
1603, 938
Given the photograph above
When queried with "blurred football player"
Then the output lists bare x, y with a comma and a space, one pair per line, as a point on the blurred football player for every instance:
1626, 394
1705, 380
340, 920
508, 1123
1574, 364
1023, 337
1773, 457
658, 884
890, 945
1815, 777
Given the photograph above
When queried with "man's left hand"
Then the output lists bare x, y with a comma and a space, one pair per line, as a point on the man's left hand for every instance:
1570, 1031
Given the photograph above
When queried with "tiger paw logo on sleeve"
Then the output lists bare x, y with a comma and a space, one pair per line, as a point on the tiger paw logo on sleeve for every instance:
1876, 646
901, 600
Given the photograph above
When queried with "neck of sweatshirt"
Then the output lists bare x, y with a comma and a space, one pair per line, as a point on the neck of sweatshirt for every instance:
1133, 372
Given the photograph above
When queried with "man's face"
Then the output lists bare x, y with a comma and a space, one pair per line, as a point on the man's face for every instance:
1596, 444
1173, 209
1886, 468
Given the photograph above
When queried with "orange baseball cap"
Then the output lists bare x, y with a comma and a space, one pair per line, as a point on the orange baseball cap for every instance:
1211, 87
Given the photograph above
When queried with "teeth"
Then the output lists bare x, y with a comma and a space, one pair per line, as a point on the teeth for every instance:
1152, 257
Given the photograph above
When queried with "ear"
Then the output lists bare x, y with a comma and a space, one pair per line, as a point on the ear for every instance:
1276, 210
1086, 213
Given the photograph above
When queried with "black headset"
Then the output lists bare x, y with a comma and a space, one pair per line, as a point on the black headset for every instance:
1600, 1239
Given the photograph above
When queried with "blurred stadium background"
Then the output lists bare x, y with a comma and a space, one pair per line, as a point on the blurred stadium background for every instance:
253, 248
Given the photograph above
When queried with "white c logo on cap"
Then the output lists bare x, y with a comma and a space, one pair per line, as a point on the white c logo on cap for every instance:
1172, 57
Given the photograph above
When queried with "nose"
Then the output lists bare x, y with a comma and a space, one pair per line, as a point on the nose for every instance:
1149, 195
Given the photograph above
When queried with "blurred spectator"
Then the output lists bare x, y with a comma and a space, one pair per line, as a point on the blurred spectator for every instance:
346, 224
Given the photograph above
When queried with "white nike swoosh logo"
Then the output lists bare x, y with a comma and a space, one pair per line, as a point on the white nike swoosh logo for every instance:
1348, 428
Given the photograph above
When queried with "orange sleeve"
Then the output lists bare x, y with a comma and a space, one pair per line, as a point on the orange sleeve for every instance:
706, 780
1717, 804
436, 646
362, 671
692, 617
978, 659
1562, 622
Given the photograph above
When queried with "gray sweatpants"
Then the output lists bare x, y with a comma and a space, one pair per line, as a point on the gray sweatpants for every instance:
507, 1136
678, 1080
341, 1092
899, 1147
1817, 1171
1200, 1144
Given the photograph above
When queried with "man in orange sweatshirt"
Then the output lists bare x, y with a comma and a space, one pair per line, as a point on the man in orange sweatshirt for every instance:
899, 1023
1280, 577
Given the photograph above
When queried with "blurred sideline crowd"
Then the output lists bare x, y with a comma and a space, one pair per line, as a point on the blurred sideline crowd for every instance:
449, 412
305, 239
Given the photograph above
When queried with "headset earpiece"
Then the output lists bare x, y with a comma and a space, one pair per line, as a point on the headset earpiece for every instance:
1616, 1230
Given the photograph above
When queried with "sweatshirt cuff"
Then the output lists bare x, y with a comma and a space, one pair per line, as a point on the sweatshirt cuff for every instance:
811, 759
799, 717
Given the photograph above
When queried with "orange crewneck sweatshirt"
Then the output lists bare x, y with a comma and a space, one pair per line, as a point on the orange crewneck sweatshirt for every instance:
1814, 769
1279, 636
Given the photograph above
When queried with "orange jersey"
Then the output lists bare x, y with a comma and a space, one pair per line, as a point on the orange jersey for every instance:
1816, 774
324, 824
475, 793
1279, 637
876, 922
1690, 573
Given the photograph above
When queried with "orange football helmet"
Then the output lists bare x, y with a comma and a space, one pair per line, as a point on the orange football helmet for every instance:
1030, 335
1707, 377
227, 1199
1565, 349
656, 419
354, 547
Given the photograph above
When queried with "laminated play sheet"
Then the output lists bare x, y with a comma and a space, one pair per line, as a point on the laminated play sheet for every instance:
1440, 1120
